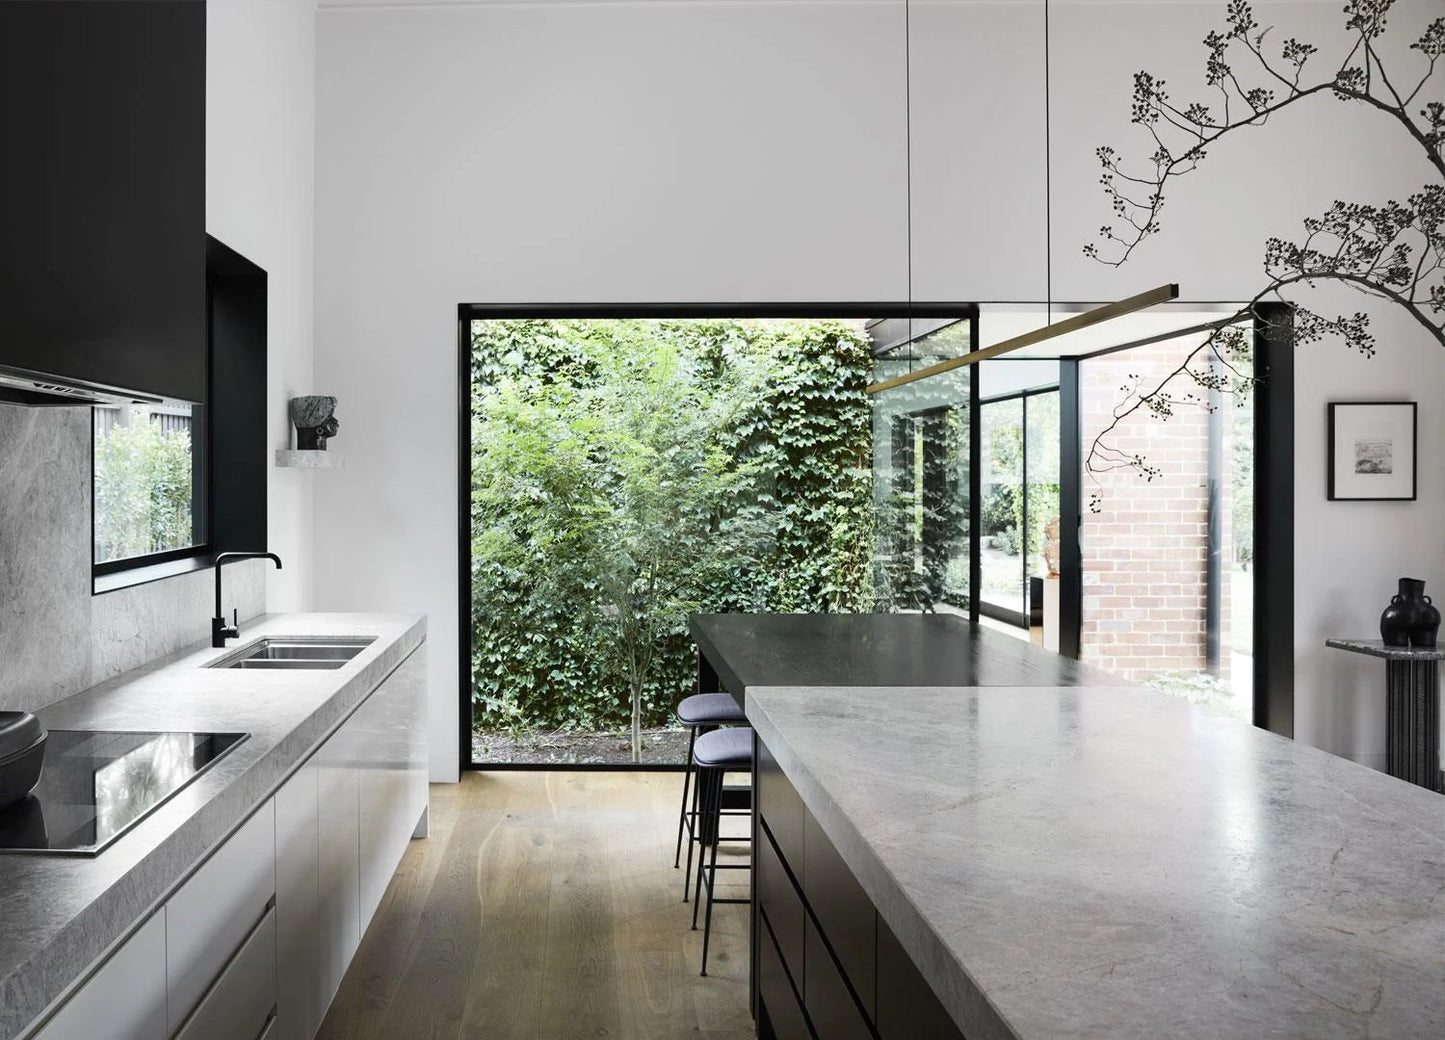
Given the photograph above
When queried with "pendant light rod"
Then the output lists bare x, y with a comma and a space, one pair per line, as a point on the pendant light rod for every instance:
1109, 311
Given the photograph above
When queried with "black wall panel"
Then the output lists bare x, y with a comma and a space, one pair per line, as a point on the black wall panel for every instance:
102, 256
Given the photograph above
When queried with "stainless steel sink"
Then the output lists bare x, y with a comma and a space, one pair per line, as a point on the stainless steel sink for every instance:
295, 653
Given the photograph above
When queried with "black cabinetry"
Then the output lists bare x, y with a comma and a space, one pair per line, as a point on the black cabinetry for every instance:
827, 966
102, 260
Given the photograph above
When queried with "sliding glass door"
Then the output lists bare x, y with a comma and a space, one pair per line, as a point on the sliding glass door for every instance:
1019, 490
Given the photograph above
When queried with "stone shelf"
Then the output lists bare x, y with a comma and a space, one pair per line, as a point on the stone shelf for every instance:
309, 459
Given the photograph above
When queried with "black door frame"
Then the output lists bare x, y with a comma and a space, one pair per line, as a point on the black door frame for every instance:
997, 613
1272, 333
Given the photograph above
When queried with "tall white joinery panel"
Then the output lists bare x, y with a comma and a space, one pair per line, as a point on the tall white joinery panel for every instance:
977, 150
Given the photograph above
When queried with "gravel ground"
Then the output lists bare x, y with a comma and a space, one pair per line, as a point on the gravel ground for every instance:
664, 745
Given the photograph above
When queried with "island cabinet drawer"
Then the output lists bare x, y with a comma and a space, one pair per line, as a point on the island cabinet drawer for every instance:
211, 915
242, 1003
907, 1006
126, 996
781, 1014
780, 807
826, 997
781, 902
844, 912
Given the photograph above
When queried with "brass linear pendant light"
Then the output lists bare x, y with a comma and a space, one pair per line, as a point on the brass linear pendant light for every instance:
1097, 316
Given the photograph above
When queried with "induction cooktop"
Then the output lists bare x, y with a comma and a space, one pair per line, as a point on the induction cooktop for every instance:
96, 785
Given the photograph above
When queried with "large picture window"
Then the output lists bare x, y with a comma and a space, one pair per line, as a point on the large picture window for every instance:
623, 472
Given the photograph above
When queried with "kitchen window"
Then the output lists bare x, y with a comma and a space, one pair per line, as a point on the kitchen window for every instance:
149, 488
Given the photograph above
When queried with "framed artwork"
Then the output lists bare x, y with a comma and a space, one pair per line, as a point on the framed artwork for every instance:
1372, 451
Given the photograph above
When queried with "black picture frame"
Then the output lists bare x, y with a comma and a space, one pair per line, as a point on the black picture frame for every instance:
1373, 451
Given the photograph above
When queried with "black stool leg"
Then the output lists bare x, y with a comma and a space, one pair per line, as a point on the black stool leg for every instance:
682, 812
709, 787
707, 918
692, 816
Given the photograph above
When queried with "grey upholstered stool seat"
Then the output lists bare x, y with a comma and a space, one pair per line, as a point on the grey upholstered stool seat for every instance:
721, 751
711, 709
730, 749
701, 713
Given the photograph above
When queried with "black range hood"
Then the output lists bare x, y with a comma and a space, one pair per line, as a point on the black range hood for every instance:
35, 389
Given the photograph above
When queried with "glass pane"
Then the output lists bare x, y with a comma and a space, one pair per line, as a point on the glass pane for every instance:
143, 481
920, 481
1041, 502
1167, 534
1001, 517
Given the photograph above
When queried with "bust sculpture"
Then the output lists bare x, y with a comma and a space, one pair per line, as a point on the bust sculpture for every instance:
314, 421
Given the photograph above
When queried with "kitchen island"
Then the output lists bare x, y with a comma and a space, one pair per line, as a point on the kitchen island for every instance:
315, 752
1039, 861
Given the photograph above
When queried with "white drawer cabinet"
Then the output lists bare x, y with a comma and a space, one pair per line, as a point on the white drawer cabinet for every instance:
241, 1004
339, 900
299, 999
388, 732
211, 914
126, 997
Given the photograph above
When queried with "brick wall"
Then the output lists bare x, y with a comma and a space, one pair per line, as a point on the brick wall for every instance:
1145, 551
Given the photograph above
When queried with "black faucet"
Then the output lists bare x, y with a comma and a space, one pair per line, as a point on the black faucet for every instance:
220, 631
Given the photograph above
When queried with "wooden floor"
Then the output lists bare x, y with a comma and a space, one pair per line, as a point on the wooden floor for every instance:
544, 906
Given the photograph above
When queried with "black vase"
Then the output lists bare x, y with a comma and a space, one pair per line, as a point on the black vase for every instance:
1410, 619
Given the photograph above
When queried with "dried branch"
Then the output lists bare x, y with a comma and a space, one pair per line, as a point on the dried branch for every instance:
1394, 252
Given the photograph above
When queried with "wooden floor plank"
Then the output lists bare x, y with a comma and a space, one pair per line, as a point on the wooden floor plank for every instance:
544, 906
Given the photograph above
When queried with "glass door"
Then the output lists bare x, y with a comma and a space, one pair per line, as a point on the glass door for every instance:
1019, 453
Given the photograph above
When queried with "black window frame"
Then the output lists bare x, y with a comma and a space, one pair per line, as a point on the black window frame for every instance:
469, 312
200, 502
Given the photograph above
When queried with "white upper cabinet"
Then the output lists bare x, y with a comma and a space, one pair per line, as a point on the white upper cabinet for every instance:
978, 173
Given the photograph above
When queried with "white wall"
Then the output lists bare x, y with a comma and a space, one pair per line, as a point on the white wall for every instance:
260, 190
707, 150
493, 153
1349, 554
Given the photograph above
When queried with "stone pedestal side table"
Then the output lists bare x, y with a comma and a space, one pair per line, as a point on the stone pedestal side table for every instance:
1412, 708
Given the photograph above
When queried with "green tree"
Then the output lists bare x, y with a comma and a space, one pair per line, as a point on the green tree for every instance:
626, 474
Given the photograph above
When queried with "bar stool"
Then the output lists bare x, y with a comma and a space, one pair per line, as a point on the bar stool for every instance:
701, 713
721, 751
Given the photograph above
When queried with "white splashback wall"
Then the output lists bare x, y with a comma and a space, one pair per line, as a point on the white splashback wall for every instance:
740, 150
567, 152
260, 193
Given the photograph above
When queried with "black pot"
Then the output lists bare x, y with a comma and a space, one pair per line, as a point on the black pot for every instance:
22, 753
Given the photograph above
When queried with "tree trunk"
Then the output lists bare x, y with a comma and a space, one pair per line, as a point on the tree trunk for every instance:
636, 722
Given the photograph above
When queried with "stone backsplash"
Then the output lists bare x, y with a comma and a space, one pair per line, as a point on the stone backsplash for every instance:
56, 638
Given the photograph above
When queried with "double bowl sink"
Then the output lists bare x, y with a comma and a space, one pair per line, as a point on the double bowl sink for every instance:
295, 653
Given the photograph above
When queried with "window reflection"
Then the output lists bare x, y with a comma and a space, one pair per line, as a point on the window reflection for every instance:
132, 785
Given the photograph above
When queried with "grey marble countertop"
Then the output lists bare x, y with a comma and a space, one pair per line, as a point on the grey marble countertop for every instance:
1113, 863
1377, 648
60, 913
